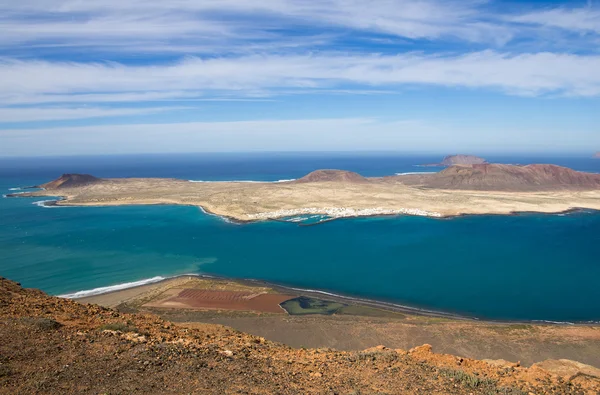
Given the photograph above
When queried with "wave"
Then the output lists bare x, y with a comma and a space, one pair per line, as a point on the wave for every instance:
14, 189
111, 288
247, 181
557, 322
225, 219
42, 203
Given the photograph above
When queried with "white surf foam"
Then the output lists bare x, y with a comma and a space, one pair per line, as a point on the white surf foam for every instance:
42, 203
225, 219
415, 172
117, 287
14, 189
247, 181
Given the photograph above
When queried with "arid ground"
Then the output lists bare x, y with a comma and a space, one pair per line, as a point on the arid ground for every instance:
358, 327
53, 345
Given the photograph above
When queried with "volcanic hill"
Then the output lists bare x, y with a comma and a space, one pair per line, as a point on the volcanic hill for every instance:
52, 345
462, 160
333, 176
498, 177
71, 181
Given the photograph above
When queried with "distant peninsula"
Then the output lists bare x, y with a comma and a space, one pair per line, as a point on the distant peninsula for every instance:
452, 160
597, 155
456, 190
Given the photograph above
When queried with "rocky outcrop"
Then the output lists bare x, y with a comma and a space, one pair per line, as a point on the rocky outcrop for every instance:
498, 177
52, 345
71, 181
333, 176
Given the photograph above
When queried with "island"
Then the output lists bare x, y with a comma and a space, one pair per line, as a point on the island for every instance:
597, 155
461, 159
456, 190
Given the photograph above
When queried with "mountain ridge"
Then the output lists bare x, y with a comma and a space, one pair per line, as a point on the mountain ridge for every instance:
503, 177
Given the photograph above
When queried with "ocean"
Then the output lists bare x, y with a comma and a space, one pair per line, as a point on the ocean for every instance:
521, 267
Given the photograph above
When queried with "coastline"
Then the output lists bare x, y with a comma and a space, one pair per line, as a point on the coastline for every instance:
157, 281
333, 213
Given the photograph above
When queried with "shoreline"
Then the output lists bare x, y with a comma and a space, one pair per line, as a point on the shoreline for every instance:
318, 294
270, 216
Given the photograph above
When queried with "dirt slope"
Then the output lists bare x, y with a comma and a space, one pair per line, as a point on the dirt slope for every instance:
52, 345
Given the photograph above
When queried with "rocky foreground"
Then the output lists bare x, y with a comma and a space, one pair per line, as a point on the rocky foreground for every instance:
53, 345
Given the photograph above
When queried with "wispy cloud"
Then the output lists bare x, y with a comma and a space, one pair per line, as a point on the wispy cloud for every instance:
10, 114
581, 20
106, 22
523, 74
108, 53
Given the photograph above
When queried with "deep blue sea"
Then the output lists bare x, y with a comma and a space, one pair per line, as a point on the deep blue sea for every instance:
524, 267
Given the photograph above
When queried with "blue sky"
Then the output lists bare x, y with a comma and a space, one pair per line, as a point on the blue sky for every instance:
135, 76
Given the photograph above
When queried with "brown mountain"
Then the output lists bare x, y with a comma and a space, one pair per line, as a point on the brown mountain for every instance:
507, 178
57, 346
597, 155
452, 160
70, 181
333, 176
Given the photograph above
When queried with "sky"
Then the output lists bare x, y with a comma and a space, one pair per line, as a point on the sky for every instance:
150, 76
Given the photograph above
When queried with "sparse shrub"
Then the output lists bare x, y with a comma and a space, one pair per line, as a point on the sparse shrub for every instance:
508, 391
45, 324
469, 380
5, 370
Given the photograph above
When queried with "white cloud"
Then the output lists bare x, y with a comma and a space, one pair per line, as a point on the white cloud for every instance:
239, 26
524, 74
185, 23
10, 114
584, 20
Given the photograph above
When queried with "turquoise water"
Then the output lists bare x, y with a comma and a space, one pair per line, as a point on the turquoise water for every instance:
526, 267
